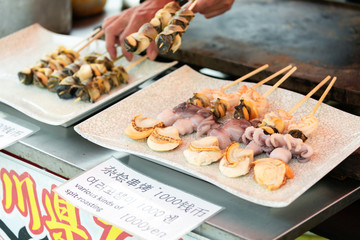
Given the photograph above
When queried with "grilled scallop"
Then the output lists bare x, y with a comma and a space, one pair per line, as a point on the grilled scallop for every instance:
141, 127
164, 139
236, 161
203, 151
271, 173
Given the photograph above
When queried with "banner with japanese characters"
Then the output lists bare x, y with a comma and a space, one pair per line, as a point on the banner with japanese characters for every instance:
30, 209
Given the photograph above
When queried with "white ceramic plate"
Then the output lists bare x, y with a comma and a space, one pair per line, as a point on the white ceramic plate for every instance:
27, 46
337, 136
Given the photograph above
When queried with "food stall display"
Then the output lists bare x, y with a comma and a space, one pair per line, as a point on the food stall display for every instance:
252, 146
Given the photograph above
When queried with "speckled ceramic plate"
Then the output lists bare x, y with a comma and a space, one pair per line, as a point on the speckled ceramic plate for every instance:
27, 46
337, 136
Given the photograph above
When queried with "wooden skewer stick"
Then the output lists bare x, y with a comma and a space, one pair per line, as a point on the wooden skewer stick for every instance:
118, 58
193, 5
309, 95
135, 63
78, 99
279, 82
87, 38
271, 77
323, 95
98, 35
245, 76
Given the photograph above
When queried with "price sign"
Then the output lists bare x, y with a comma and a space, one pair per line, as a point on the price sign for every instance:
135, 203
11, 132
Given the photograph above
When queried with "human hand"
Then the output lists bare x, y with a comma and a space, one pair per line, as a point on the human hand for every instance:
212, 8
118, 27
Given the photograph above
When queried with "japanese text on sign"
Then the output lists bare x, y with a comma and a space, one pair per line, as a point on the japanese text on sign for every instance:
136, 203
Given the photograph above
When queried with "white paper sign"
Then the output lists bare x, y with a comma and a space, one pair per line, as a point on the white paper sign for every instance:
135, 203
11, 132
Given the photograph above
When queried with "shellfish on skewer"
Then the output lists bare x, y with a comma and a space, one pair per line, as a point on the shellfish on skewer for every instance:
139, 41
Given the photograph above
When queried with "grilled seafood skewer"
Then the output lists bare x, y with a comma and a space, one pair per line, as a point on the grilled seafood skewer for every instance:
252, 104
278, 122
139, 41
169, 40
309, 123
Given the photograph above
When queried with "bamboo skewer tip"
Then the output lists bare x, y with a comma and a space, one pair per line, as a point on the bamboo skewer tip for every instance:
245, 76
278, 83
135, 63
323, 96
274, 75
98, 35
309, 95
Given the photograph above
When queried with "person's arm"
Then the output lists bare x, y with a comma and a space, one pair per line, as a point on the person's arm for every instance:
118, 27
129, 21
212, 8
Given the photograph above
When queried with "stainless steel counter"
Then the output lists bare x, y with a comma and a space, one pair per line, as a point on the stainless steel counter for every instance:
64, 152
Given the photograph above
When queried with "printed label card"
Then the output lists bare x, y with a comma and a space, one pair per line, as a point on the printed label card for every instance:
135, 203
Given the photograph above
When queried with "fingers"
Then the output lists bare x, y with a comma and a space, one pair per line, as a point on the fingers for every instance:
108, 21
152, 51
212, 8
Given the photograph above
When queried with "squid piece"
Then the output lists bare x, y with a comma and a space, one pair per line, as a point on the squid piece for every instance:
164, 139
271, 173
203, 152
141, 127
236, 161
